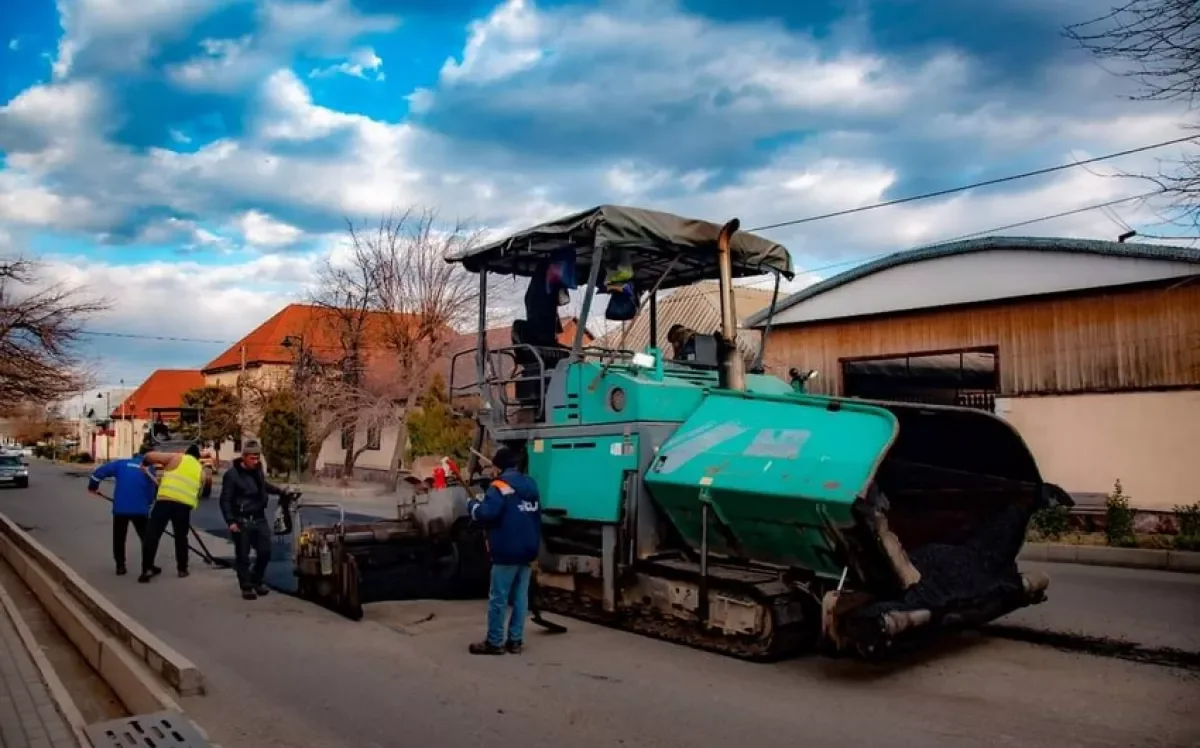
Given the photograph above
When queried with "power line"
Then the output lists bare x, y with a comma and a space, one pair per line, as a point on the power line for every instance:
820, 268
974, 185
997, 229
135, 336
1064, 214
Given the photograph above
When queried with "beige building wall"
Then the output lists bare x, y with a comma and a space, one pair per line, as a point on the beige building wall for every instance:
126, 438
265, 377
1084, 443
332, 454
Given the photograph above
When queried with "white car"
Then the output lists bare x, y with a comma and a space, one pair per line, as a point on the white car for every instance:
13, 471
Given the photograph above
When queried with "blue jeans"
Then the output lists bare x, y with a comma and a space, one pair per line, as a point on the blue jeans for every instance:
510, 584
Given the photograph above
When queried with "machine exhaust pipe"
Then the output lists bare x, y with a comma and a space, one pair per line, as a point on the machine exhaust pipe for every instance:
733, 365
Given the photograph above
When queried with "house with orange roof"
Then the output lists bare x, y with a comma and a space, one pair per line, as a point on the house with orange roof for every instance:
160, 396
266, 358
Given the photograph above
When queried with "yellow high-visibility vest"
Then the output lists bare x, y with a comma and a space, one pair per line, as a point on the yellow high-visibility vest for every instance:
182, 484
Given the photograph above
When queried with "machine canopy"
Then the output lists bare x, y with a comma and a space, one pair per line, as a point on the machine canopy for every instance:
655, 239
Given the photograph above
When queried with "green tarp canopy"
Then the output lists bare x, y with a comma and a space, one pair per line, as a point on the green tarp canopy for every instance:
685, 249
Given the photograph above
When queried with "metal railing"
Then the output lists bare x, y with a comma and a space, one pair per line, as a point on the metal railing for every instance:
499, 379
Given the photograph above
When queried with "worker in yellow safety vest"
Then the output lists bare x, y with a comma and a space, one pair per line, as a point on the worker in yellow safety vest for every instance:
180, 480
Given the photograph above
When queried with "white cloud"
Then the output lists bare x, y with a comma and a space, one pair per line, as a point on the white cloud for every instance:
506, 42
27, 203
223, 66
261, 230
50, 110
658, 56
120, 36
14, 44
188, 299
325, 24
361, 63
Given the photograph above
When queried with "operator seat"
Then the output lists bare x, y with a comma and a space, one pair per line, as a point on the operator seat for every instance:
529, 390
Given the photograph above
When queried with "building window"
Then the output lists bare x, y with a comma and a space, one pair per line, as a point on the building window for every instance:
968, 378
373, 438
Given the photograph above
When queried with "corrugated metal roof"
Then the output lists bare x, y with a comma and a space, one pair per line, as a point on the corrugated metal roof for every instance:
697, 306
984, 244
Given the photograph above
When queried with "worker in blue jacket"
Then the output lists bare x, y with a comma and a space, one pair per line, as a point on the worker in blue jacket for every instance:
511, 512
132, 497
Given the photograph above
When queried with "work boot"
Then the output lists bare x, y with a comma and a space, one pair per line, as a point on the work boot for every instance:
513, 648
183, 573
249, 595
121, 570
485, 648
149, 574
262, 590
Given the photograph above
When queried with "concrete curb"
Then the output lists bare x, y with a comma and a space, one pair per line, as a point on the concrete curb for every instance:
1099, 555
176, 670
58, 692
133, 684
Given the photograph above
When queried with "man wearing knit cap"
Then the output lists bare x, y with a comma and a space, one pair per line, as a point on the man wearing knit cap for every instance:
511, 511
244, 496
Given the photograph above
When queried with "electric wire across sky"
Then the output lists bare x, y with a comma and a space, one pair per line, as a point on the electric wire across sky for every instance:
850, 211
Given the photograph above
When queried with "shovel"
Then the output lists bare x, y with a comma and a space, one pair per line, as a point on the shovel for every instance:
203, 552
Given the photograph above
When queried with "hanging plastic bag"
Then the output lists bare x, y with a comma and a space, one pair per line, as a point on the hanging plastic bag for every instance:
622, 304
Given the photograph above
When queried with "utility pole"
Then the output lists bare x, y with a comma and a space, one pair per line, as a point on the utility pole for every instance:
298, 342
121, 425
108, 420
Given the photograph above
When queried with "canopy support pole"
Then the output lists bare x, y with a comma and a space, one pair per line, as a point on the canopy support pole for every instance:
581, 327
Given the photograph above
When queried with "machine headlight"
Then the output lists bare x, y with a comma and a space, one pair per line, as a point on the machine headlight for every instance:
643, 361
616, 399
23, 472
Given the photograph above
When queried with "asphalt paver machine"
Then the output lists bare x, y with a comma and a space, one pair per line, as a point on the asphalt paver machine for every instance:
698, 502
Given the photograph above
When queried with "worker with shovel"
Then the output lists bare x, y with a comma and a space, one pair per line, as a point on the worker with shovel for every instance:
178, 493
133, 494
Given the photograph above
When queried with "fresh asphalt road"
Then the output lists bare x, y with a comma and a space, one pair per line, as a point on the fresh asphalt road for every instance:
284, 673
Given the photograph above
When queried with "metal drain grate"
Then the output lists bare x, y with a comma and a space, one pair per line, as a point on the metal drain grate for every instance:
159, 730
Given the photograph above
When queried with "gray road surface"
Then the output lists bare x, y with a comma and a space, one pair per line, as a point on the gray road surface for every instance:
283, 673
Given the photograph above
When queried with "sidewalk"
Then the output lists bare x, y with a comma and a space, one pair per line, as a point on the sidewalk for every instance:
29, 717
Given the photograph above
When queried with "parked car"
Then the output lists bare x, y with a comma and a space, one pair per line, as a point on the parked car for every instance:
13, 471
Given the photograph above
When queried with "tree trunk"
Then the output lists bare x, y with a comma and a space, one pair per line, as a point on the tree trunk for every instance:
401, 447
314, 454
351, 456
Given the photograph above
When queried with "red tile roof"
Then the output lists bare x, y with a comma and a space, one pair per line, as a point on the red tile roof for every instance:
320, 327
162, 389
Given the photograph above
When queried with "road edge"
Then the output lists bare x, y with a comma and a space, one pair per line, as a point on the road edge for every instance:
180, 673
1187, 562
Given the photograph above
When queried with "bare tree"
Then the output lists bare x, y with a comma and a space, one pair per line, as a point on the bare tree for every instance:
1156, 43
40, 329
425, 301
348, 294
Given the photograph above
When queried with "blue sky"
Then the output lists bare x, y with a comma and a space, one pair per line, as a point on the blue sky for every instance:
194, 160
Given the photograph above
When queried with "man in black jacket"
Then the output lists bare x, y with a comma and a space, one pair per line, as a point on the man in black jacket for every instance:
244, 492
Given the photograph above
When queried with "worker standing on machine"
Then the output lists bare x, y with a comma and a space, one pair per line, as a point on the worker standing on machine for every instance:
133, 494
244, 496
180, 481
511, 511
